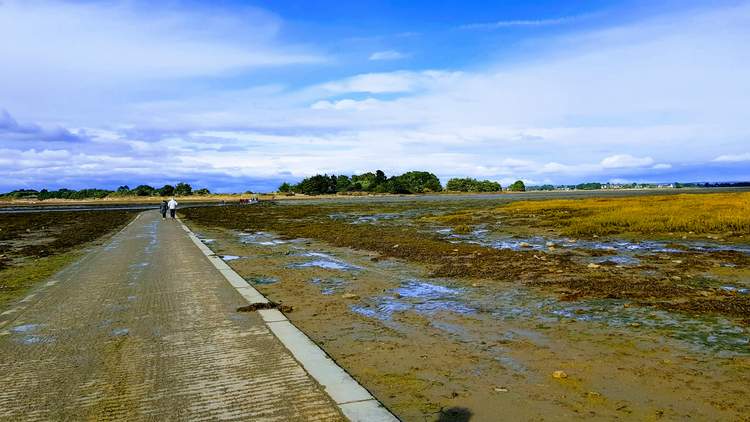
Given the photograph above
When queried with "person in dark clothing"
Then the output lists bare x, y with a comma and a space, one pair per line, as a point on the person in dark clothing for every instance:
163, 209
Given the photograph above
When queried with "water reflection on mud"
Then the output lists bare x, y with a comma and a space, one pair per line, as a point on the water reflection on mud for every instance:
442, 304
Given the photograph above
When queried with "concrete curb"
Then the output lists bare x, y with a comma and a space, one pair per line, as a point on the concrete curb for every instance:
355, 402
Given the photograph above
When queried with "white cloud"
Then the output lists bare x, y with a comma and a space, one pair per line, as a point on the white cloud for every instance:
662, 166
733, 158
54, 51
527, 22
387, 55
391, 82
625, 161
346, 104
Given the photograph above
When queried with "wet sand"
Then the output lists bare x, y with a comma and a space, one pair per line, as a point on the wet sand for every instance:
429, 347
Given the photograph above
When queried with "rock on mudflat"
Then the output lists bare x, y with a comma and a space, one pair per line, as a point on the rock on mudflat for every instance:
350, 296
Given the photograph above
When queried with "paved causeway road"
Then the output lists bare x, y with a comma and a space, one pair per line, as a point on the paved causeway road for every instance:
145, 328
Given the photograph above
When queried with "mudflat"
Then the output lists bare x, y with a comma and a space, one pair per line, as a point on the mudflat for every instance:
494, 309
33, 246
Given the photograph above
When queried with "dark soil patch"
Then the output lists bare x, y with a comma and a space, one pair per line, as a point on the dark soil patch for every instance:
268, 305
50, 233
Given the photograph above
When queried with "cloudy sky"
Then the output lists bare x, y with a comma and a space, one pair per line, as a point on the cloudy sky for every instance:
241, 95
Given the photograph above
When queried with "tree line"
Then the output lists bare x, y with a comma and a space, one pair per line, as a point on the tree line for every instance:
180, 189
408, 183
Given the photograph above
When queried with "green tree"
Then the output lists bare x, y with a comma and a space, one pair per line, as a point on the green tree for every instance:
144, 190
589, 186
517, 186
472, 185
285, 187
123, 191
183, 189
343, 183
316, 185
166, 190
367, 181
202, 191
415, 182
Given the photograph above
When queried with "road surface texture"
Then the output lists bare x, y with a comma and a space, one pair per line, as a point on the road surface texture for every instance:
145, 328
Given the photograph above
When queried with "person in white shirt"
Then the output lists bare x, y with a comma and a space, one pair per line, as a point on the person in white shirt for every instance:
172, 205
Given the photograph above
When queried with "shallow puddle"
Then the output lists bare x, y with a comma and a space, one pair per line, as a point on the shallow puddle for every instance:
414, 295
118, 332
329, 286
323, 260
25, 328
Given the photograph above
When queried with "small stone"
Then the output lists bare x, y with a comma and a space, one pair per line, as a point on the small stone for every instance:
524, 245
677, 261
592, 265
350, 296
593, 395
559, 374
635, 324
676, 278
395, 246
501, 390
550, 244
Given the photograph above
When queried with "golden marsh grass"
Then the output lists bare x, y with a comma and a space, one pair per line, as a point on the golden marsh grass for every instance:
727, 213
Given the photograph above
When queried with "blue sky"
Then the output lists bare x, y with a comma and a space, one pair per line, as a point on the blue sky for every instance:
241, 95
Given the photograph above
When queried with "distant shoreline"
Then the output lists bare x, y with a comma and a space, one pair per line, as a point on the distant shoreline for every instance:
214, 199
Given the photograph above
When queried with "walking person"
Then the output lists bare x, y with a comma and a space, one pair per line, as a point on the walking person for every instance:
172, 205
163, 209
